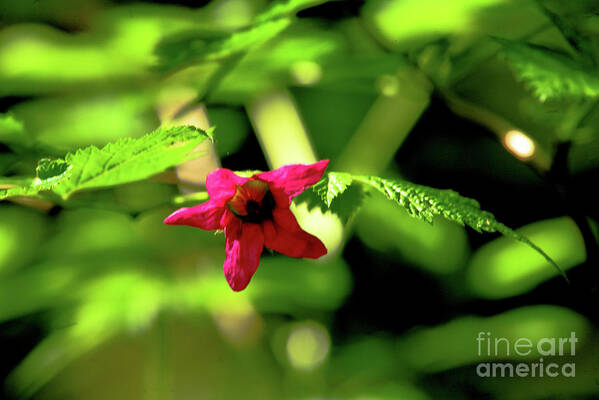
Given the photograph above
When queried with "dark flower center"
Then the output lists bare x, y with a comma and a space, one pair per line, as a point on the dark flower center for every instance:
258, 212
253, 207
253, 202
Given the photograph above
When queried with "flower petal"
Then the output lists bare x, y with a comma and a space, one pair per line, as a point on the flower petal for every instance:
287, 237
285, 219
244, 247
205, 216
295, 178
222, 183
228, 218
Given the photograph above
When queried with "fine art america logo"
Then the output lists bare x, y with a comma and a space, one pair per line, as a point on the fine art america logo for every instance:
500, 347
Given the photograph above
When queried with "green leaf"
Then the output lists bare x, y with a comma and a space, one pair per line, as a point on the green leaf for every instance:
244, 40
326, 195
50, 169
50, 173
424, 203
421, 202
129, 160
175, 51
550, 74
124, 161
284, 8
332, 186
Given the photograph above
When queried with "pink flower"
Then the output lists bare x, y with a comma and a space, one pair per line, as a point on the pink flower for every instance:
254, 212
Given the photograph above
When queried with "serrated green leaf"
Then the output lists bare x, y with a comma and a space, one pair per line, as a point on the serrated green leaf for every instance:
50, 173
550, 74
424, 202
332, 186
124, 161
129, 160
181, 49
420, 202
326, 195
49, 169
347, 205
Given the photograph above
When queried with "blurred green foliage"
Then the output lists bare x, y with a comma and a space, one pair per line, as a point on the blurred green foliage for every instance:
129, 308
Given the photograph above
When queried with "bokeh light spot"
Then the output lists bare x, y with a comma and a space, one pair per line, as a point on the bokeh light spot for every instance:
306, 73
388, 85
308, 345
519, 144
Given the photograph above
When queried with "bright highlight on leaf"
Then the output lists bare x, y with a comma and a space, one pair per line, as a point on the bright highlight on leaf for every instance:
420, 202
124, 161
